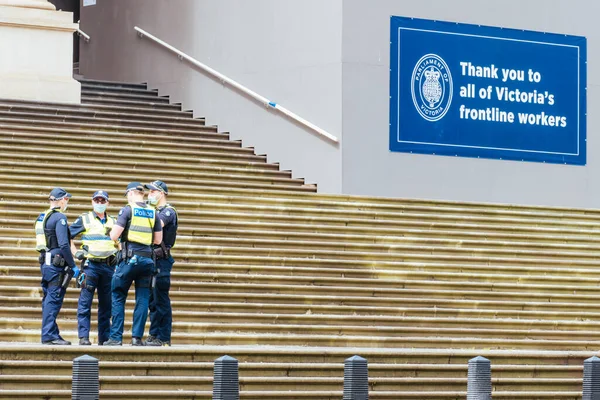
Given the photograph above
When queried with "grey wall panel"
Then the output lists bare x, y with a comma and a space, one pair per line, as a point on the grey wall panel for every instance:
370, 168
289, 52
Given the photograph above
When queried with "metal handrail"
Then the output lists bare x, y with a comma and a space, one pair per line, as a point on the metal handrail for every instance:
85, 36
240, 87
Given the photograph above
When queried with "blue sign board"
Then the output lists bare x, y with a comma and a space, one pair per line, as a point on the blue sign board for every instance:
478, 91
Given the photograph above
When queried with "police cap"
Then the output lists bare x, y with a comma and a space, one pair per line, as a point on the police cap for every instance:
58, 194
101, 193
157, 185
134, 186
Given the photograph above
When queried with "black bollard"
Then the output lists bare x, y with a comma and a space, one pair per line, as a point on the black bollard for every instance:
479, 384
226, 383
356, 379
85, 384
591, 379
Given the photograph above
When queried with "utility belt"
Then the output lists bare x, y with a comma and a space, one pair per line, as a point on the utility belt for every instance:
58, 260
110, 260
161, 252
126, 252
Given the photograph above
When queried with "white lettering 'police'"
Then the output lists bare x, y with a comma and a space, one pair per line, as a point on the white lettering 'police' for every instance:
431, 87
140, 212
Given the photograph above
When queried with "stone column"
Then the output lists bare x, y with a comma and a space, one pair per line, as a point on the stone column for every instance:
36, 52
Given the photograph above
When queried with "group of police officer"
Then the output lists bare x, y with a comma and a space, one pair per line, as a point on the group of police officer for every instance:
115, 252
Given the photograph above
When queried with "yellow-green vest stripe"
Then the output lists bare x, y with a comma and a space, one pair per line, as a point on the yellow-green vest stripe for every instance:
141, 227
95, 239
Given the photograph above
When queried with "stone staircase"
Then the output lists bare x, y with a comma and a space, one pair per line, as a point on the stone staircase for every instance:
288, 281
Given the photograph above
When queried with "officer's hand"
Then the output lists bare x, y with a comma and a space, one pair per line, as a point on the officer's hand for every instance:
75, 272
80, 255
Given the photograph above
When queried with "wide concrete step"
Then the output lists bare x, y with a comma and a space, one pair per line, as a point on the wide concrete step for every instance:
112, 139
143, 169
171, 167
87, 87
140, 149
112, 120
179, 183
332, 259
262, 216
19, 243
187, 320
313, 296
194, 235
8, 127
284, 304
301, 336
162, 105
316, 383
99, 82
9, 120
141, 108
88, 186
103, 113
108, 95
288, 369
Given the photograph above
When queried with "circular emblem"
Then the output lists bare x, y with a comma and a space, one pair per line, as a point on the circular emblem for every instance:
432, 87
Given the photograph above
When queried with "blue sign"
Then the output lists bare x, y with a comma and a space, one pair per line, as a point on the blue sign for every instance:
478, 91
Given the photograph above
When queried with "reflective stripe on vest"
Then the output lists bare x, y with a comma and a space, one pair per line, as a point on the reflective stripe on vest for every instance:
41, 244
141, 227
95, 239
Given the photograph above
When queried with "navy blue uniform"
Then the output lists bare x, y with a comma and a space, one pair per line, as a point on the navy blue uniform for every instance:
139, 269
98, 276
53, 293
161, 314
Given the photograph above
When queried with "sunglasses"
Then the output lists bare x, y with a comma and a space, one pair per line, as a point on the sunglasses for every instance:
99, 200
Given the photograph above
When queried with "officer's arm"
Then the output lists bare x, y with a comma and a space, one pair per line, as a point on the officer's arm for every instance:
64, 242
116, 232
158, 232
74, 230
73, 248
121, 223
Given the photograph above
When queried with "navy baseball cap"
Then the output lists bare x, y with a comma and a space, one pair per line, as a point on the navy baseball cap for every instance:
157, 185
58, 194
134, 186
101, 193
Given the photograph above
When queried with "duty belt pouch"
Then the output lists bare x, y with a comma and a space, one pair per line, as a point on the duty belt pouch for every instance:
58, 261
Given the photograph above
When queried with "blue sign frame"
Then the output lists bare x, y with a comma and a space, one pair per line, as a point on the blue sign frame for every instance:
486, 92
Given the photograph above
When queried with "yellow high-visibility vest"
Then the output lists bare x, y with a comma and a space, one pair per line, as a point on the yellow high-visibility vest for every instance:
95, 240
141, 227
41, 243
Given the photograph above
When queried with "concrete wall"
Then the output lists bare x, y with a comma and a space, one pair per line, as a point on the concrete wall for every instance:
370, 168
329, 62
287, 51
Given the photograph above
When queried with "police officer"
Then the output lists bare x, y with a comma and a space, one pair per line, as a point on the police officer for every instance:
100, 251
56, 263
160, 304
138, 227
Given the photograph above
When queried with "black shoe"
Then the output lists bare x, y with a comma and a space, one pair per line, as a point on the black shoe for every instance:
84, 341
57, 342
149, 340
156, 342
111, 342
136, 341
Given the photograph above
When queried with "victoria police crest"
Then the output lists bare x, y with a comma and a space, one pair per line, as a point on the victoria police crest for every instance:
431, 87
